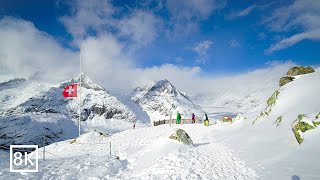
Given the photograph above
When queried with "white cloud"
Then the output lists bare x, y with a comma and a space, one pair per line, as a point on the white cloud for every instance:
185, 15
141, 27
88, 17
199, 9
201, 49
243, 12
302, 16
95, 17
241, 84
234, 43
287, 42
26, 51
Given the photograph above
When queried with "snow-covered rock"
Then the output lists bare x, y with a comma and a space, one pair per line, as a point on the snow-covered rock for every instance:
162, 98
181, 136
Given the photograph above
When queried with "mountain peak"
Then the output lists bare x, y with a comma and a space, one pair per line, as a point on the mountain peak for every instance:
86, 82
164, 86
162, 98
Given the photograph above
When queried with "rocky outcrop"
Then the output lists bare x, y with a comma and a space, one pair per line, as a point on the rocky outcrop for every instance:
302, 124
285, 80
181, 136
294, 71
270, 103
12, 82
298, 70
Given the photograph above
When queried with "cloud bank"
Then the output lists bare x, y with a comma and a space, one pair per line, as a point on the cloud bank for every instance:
108, 46
26, 51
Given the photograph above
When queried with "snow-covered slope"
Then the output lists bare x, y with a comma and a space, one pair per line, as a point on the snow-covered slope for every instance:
270, 144
161, 99
145, 153
30, 109
298, 97
244, 93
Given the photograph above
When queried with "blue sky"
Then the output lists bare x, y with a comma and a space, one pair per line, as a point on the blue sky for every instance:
217, 36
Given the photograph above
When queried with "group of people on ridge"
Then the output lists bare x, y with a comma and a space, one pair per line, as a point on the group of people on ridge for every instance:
206, 121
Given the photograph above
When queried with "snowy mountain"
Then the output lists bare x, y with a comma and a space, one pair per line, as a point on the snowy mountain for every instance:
160, 99
30, 109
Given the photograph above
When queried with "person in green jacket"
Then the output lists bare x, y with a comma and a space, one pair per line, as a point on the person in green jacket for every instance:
178, 120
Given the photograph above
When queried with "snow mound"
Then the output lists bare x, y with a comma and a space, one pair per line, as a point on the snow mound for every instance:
91, 137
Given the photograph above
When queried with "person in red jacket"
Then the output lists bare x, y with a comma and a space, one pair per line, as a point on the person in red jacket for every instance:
193, 118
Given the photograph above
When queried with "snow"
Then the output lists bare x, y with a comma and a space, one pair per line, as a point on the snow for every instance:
275, 148
144, 153
221, 151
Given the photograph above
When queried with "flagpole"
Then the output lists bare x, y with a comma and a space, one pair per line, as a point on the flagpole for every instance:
80, 90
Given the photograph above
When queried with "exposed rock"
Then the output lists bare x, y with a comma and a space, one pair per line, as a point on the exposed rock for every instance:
285, 80
12, 82
270, 103
297, 70
278, 121
301, 125
181, 136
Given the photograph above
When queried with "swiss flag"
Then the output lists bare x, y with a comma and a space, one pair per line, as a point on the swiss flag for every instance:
70, 91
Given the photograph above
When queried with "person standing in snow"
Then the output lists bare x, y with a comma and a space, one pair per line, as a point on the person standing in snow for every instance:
206, 121
178, 120
193, 118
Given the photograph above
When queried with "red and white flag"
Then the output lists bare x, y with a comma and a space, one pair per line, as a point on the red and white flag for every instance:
70, 91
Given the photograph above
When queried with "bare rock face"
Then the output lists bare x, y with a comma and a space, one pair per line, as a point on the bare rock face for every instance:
285, 80
298, 70
181, 136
